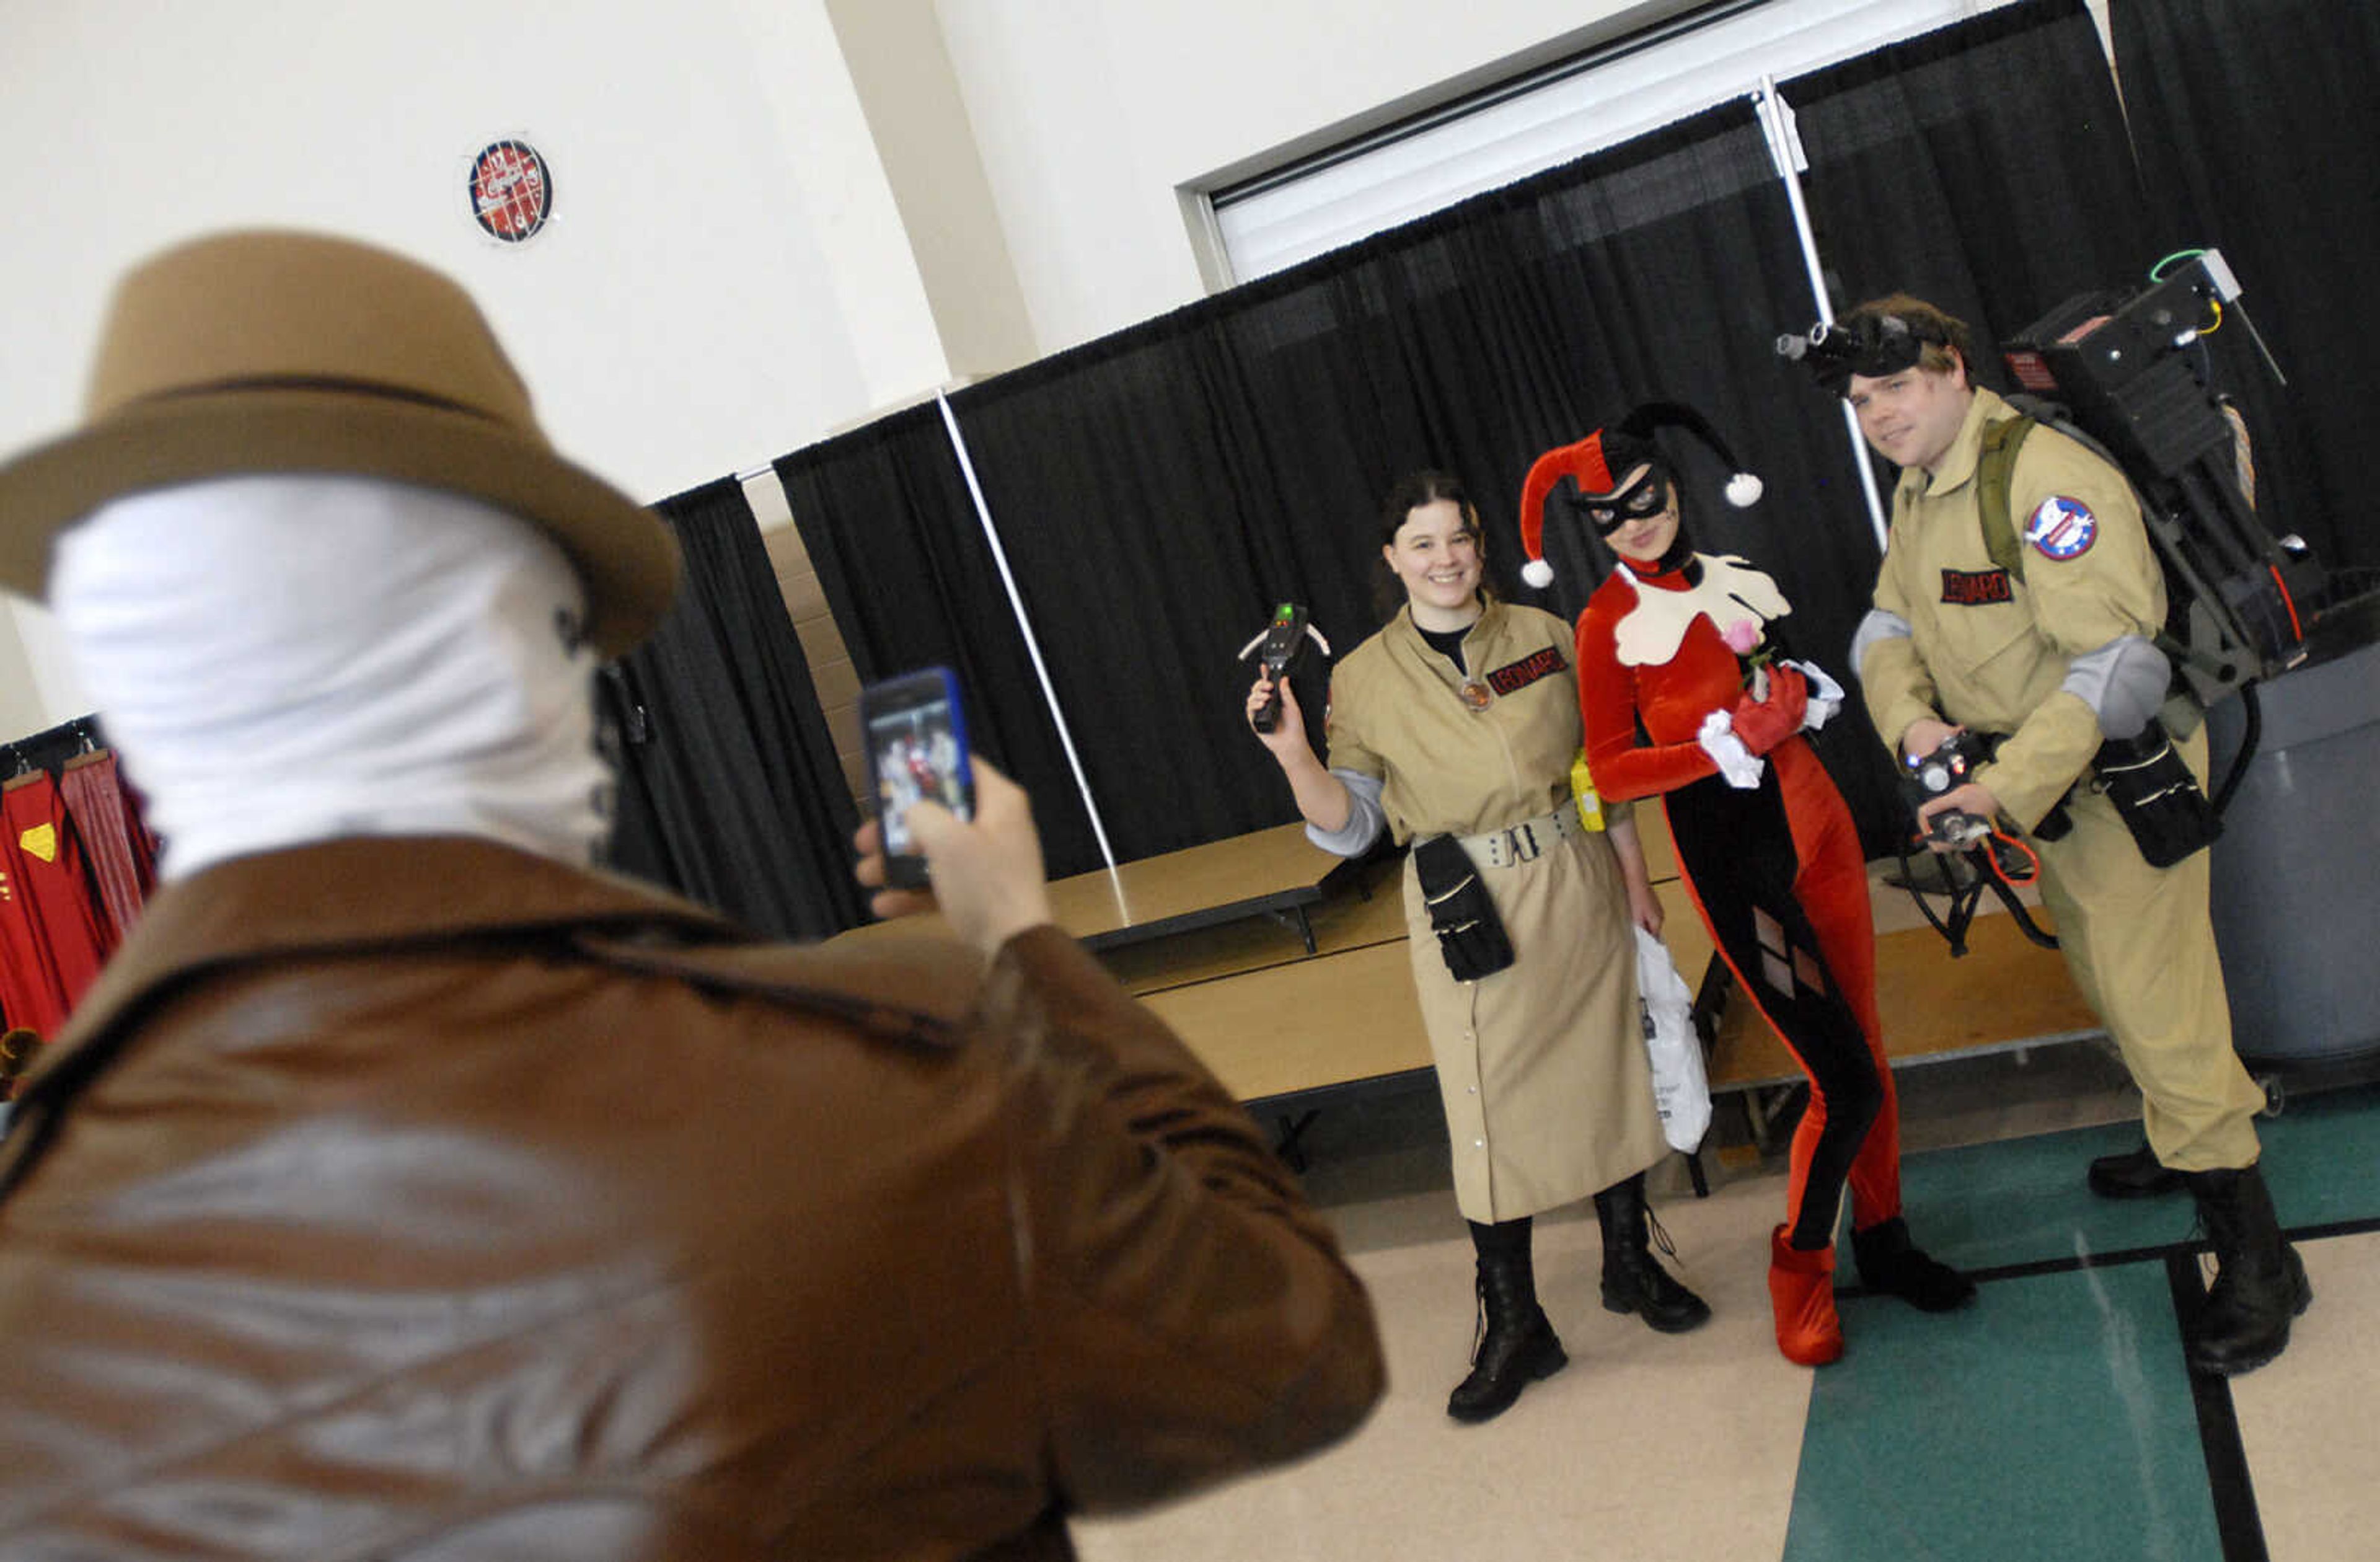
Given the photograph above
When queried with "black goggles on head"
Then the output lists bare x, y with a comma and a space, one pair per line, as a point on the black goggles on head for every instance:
1872, 346
1648, 495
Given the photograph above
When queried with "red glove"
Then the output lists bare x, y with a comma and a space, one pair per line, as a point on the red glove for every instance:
1763, 723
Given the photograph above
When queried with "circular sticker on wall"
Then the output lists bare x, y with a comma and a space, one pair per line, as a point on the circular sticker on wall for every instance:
511, 190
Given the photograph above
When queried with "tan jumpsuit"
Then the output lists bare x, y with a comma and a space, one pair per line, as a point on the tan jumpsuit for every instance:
1989, 652
1548, 1095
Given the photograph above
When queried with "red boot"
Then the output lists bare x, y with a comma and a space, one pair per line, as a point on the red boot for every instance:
1802, 1290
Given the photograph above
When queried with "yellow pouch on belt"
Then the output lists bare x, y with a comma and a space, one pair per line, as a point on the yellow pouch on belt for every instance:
1581, 786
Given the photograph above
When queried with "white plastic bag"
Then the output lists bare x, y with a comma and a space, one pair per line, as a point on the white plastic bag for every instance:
1681, 1087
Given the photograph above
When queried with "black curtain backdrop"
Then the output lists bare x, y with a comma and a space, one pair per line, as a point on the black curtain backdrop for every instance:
1159, 490
730, 791
1982, 167
912, 582
2258, 132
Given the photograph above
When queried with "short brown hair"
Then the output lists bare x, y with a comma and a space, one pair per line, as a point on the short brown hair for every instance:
1942, 333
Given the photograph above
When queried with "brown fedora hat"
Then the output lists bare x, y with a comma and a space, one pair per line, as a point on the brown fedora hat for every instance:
293, 352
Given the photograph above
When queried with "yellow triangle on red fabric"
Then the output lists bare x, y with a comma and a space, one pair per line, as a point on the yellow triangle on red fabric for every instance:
40, 841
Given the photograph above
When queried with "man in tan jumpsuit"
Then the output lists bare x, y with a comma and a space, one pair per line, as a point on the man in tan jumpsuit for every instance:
2049, 659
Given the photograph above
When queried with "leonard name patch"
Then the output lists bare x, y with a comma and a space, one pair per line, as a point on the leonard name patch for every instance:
1974, 588
1519, 674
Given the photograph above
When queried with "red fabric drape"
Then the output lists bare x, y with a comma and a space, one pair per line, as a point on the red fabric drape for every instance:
123, 852
58, 950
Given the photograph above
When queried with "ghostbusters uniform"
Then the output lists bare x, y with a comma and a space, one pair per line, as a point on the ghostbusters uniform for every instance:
1956, 637
1542, 1067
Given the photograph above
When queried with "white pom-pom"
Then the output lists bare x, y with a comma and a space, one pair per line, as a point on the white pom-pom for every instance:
1743, 490
1538, 573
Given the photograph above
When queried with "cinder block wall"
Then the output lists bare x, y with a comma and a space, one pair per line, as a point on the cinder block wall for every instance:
831, 668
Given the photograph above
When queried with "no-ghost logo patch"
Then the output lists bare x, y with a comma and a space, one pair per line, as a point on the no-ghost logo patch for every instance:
2061, 528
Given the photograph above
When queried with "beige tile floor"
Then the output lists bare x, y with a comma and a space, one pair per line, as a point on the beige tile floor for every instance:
1646, 1447
2311, 1421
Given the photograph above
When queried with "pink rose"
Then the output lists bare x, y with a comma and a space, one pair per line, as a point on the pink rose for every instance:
1741, 636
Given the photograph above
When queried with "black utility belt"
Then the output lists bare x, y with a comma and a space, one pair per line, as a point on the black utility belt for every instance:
2155, 794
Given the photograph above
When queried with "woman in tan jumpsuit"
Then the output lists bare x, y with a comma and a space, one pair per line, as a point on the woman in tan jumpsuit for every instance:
1460, 719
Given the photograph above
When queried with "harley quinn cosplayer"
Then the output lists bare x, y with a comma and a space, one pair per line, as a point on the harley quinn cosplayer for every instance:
1684, 697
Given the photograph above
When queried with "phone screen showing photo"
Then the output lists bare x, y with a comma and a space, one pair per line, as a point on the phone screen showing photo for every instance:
917, 758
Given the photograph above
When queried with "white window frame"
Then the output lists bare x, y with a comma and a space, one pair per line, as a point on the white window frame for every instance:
1256, 226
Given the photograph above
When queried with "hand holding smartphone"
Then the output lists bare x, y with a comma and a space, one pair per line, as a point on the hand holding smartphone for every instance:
917, 752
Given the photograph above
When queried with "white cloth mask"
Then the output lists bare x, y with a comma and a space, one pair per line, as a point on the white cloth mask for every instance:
286, 659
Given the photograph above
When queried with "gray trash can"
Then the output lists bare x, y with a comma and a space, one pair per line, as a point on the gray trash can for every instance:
2296, 888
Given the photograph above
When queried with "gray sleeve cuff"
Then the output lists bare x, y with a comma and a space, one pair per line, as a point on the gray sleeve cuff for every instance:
2124, 682
1878, 626
1365, 818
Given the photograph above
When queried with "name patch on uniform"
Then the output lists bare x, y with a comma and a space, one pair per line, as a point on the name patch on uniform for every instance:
1527, 670
1974, 588
2061, 528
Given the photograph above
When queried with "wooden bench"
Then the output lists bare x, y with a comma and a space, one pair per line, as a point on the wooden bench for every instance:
1287, 971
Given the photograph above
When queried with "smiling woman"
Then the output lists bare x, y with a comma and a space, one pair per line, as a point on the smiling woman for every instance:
1434, 553
1455, 728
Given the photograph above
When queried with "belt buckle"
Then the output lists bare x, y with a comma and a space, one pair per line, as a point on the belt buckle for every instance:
1524, 842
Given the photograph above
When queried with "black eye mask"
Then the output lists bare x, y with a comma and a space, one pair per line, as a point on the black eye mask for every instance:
1649, 494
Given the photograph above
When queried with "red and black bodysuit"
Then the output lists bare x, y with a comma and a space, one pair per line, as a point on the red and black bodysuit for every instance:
1774, 869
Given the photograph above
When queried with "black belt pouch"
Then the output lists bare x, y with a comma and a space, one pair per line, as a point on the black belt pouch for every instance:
2155, 796
1470, 935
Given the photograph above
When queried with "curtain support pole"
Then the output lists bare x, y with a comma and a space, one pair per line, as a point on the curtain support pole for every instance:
1023, 625
1784, 151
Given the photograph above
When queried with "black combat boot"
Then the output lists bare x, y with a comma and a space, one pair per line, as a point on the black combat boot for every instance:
1514, 1345
1890, 1265
2261, 1283
1633, 1280
2135, 1173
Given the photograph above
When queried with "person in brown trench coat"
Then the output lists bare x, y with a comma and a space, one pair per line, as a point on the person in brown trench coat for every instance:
405, 1189
1454, 728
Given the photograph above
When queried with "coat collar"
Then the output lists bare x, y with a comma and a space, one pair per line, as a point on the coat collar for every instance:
1966, 451
360, 893
1491, 617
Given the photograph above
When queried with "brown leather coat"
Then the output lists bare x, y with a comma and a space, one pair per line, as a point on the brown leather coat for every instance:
421, 1199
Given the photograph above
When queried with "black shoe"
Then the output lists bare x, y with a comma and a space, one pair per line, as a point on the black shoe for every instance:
2260, 1284
1890, 1265
1515, 1346
1633, 1281
2136, 1174
1506, 1362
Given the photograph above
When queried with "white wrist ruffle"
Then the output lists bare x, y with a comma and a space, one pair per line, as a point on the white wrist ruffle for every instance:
1826, 695
1735, 761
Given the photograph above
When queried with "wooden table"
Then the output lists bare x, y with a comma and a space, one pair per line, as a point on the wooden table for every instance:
1275, 873
1287, 971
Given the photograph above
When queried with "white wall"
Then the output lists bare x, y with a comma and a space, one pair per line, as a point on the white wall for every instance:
739, 266
682, 319
1090, 116
677, 320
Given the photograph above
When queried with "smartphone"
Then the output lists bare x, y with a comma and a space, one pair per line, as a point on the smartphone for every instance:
917, 751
